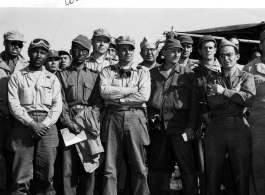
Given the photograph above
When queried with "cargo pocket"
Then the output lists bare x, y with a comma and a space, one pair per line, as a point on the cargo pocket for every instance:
47, 95
26, 96
145, 139
180, 95
87, 90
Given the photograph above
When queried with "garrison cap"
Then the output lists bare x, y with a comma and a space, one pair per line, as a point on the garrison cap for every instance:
39, 42
14, 35
147, 41
262, 36
101, 32
225, 42
185, 39
83, 40
125, 40
53, 54
206, 38
172, 43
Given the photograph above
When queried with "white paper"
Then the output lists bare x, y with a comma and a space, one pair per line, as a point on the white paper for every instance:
184, 135
70, 138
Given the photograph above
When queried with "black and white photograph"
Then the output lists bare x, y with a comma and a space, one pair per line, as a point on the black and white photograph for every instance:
118, 97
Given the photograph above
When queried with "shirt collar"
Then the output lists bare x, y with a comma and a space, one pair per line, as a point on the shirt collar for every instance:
99, 60
26, 70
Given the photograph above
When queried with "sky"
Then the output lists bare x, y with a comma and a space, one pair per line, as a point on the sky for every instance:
60, 24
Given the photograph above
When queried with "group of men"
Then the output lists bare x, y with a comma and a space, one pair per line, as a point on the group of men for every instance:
145, 114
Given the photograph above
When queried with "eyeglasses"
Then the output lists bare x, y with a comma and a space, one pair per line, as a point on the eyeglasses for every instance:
152, 50
229, 55
111, 49
40, 41
84, 51
17, 43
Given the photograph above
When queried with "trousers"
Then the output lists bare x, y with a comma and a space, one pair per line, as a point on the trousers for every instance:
228, 135
126, 133
257, 180
32, 159
165, 151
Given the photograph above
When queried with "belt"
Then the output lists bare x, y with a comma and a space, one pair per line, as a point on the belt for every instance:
232, 119
37, 113
79, 106
125, 108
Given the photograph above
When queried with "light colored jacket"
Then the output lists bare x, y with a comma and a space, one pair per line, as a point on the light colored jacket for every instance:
5, 74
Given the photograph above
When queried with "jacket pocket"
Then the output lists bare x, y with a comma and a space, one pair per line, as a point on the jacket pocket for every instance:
26, 96
47, 95
87, 90
71, 92
180, 96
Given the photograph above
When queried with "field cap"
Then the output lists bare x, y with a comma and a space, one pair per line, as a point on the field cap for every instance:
147, 41
125, 40
101, 32
53, 54
206, 38
14, 35
172, 43
185, 39
262, 36
225, 42
39, 42
83, 40
64, 52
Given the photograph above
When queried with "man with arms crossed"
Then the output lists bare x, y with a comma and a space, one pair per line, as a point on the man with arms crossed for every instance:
229, 93
125, 88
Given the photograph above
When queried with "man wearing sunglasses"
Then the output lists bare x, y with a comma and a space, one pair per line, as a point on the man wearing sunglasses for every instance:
148, 53
100, 42
35, 100
10, 61
80, 89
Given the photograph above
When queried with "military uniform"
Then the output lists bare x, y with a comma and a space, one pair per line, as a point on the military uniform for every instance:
33, 96
7, 67
124, 128
257, 123
229, 131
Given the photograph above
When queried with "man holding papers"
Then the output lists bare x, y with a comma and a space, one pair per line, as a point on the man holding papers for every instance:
79, 91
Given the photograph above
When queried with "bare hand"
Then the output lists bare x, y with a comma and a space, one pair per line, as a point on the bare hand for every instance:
216, 88
73, 128
190, 133
37, 129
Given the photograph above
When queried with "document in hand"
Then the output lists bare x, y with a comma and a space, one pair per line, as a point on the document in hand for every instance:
70, 138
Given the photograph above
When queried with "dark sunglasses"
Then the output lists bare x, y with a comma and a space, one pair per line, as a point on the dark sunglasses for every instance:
17, 43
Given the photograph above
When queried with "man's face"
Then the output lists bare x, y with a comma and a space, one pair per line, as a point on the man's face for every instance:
100, 44
112, 51
254, 55
52, 64
187, 49
13, 48
172, 55
37, 56
125, 53
207, 50
65, 61
227, 57
235, 41
79, 53
149, 53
